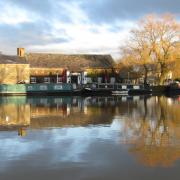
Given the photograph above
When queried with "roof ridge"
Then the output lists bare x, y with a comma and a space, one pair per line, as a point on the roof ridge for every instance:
46, 53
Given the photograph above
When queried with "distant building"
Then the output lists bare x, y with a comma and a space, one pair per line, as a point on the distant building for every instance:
79, 69
52, 68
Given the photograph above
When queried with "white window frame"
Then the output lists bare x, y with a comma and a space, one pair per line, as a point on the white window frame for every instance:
33, 80
59, 79
47, 80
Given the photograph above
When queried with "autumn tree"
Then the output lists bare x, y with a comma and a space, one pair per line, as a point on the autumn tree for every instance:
126, 69
154, 40
176, 67
163, 33
137, 52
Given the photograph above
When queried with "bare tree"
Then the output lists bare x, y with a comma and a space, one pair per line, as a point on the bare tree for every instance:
163, 33
138, 53
154, 41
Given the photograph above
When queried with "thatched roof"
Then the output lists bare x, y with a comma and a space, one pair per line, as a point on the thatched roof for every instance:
71, 62
6, 59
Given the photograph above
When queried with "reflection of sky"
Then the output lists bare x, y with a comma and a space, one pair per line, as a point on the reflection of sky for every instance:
57, 145
100, 145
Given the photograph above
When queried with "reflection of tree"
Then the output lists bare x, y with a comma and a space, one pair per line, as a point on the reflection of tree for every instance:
155, 140
22, 131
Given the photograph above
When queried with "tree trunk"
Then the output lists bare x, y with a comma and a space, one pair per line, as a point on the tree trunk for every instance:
162, 74
145, 74
145, 108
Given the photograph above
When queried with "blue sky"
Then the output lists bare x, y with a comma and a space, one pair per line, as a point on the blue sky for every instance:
73, 26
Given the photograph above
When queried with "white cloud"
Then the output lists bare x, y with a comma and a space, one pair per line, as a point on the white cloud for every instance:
86, 41
40, 26
84, 36
13, 15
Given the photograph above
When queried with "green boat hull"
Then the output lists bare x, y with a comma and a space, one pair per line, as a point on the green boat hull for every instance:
8, 89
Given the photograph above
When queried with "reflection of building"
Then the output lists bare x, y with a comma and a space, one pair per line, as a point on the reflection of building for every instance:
13, 116
19, 112
39, 112
66, 112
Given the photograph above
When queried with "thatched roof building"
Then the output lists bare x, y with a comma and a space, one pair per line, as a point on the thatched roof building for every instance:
70, 62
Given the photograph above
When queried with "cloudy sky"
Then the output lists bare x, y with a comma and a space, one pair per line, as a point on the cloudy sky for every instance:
73, 26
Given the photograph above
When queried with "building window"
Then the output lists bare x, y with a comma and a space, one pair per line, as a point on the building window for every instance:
59, 80
47, 79
33, 79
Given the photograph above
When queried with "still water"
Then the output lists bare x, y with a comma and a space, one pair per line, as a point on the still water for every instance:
90, 138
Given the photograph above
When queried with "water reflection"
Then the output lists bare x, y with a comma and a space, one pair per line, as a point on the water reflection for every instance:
148, 126
61, 111
14, 113
155, 134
